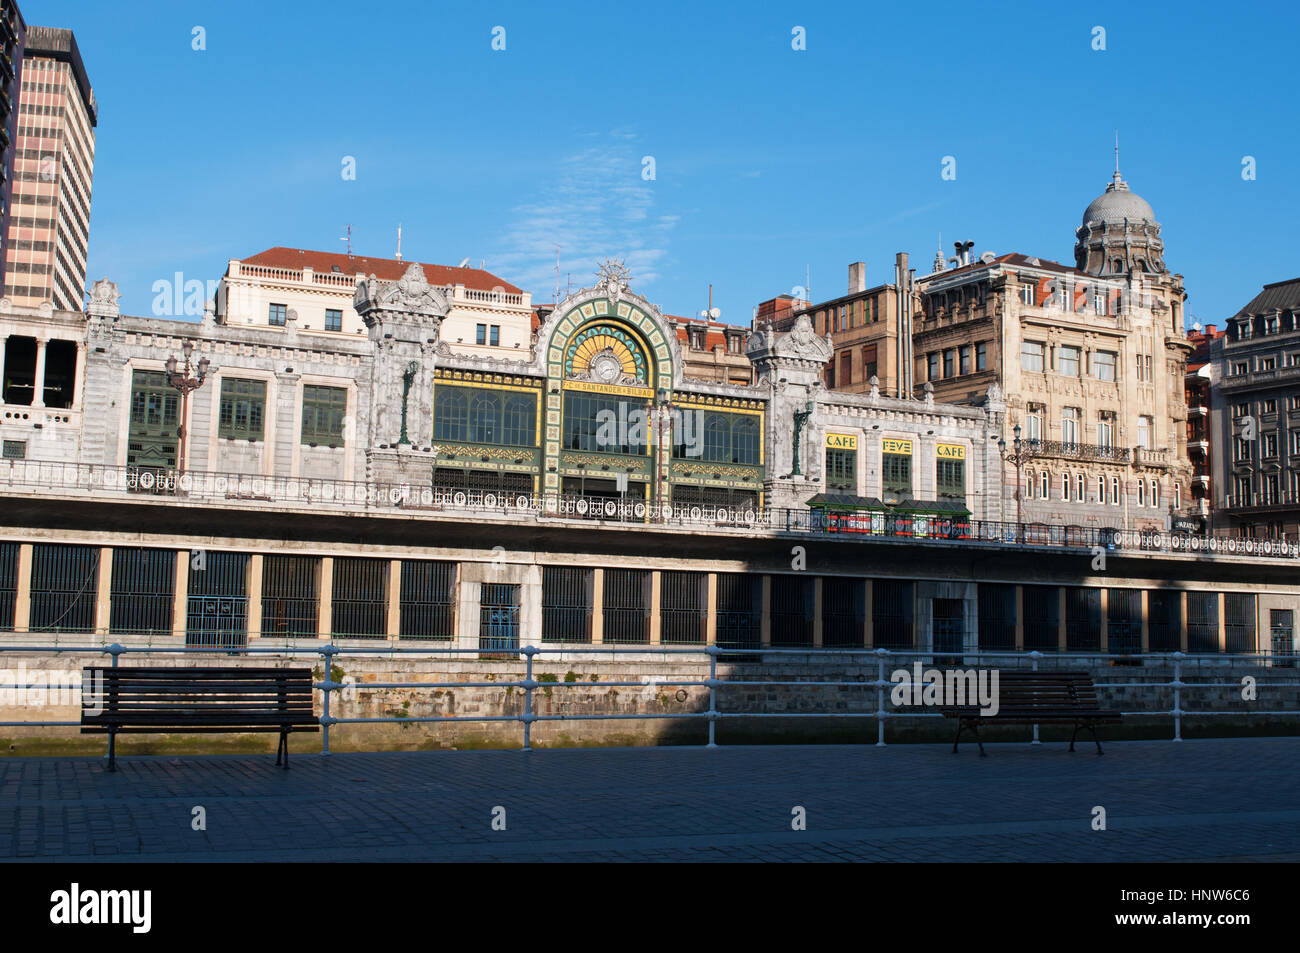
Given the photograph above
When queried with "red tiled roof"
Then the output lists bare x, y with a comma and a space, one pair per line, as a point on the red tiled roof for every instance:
387, 269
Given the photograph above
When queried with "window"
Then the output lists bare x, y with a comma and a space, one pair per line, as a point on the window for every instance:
1155, 493
495, 337
1027, 295
1079, 493
932, 366
1142, 493
896, 476
588, 420
15, 450
480, 415
1146, 361
1034, 422
1178, 496
965, 360
1029, 485
1114, 491
950, 479
1240, 368
842, 470
1099, 303
323, 410
1240, 448
1243, 492
1270, 490
981, 357
1106, 429
1070, 425
948, 357
1240, 410
1031, 356
276, 315
242, 410
1065, 487
480, 334
869, 366
1044, 484
1144, 432
333, 320
1269, 407
1101, 489
1103, 365
1067, 360
1267, 364
1295, 444
1270, 445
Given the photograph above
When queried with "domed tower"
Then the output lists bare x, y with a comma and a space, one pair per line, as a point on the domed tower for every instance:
1119, 234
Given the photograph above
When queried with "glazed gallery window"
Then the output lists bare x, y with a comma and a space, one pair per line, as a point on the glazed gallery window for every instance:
603, 424
726, 438
896, 475
1031, 356
842, 470
481, 415
323, 412
1103, 365
1067, 361
243, 409
950, 479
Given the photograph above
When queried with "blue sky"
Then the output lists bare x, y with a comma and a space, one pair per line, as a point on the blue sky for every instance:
767, 160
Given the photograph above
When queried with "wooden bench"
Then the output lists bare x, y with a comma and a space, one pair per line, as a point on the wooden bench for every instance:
206, 700
1039, 698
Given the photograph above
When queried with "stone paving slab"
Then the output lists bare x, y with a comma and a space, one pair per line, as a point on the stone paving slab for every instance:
1165, 801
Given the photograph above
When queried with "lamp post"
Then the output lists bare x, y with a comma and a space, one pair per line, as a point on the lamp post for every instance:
190, 379
663, 421
1020, 452
800, 419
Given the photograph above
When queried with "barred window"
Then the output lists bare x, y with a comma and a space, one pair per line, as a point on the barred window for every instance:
323, 411
243, 407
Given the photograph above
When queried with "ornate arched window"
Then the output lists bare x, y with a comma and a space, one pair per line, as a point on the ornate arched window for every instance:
744, 440
717, 439
485, 419
449, 415
519, 422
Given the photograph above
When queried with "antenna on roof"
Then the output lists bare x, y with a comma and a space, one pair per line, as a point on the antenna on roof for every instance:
557, 274
399, 241
1117, 152
348, 238
464, 263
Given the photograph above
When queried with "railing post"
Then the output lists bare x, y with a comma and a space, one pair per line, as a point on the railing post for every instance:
1034, 657
1178, 706
528, 717
114, 650
713, 693
327, 652
880, 696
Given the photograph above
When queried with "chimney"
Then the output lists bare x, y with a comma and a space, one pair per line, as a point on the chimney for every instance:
1211, 329
857, 276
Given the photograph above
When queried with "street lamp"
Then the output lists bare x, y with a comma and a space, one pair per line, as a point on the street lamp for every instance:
1020, 452
185, 382
800, 419
663, 413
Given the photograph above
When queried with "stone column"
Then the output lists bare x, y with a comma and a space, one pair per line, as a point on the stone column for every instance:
79, 372
4, 344
104, 590
23, 589
394, 627
325, 612
255, 563
38, 392
181, 590
711, 610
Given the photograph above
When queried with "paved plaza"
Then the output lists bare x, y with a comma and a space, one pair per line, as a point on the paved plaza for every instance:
1222, 799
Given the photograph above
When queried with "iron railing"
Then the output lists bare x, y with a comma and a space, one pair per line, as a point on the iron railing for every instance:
252, 492
877, 698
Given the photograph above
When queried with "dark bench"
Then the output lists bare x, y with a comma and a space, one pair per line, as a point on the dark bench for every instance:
208, 700
1039, 698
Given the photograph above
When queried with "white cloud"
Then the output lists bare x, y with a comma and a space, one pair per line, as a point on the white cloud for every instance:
594, 205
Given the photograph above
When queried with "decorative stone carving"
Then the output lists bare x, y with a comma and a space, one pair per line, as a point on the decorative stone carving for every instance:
104, 297
411, 294
613, 278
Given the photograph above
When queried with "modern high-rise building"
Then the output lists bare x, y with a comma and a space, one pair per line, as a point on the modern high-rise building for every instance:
13, 37
49, 227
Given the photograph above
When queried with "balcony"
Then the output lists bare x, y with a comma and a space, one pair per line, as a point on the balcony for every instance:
1199, 410
1199, 445
1151, 458
1073, 450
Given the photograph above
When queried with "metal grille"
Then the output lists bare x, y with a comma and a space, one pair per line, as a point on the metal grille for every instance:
682, 609
1164, 621
566, 604
1042, 608
1282, 632
289, 596
1082, 619
792, 611
1202, 622
740, 613
506, 483
1124, 621
626, 609
688, 494
428, 594
892, 610
1239, 621
498, 617
142, 593
948, 626
8, 583
217, 613
997, 617
844, 611
64, 588
359, 604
